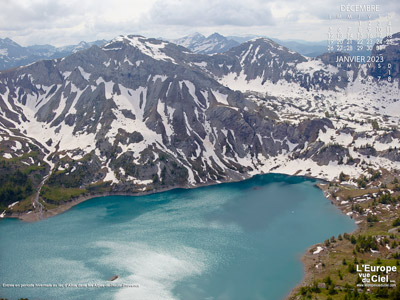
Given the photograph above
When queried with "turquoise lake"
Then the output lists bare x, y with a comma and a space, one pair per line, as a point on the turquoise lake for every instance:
231, 241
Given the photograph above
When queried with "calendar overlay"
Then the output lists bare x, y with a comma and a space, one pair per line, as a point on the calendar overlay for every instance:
360, 34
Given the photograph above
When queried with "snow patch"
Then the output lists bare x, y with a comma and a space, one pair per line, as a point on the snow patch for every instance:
84, 74
7, 155
221, 98
319, 249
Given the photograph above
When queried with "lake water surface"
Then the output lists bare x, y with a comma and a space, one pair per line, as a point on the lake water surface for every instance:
230, 241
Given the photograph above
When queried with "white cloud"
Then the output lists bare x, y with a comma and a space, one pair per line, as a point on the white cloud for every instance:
61, 22
211, 13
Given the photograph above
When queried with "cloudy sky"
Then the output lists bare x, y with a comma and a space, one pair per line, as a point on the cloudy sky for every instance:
63, 22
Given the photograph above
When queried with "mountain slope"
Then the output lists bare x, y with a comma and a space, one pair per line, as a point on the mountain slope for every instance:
261, 61
142, 114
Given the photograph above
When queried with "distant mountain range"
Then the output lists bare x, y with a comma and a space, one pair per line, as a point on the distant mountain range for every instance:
14, 55
198, 43
217, 43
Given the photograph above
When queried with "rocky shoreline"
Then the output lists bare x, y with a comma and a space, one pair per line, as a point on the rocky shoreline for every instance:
373, 202
308, 258
34, 216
